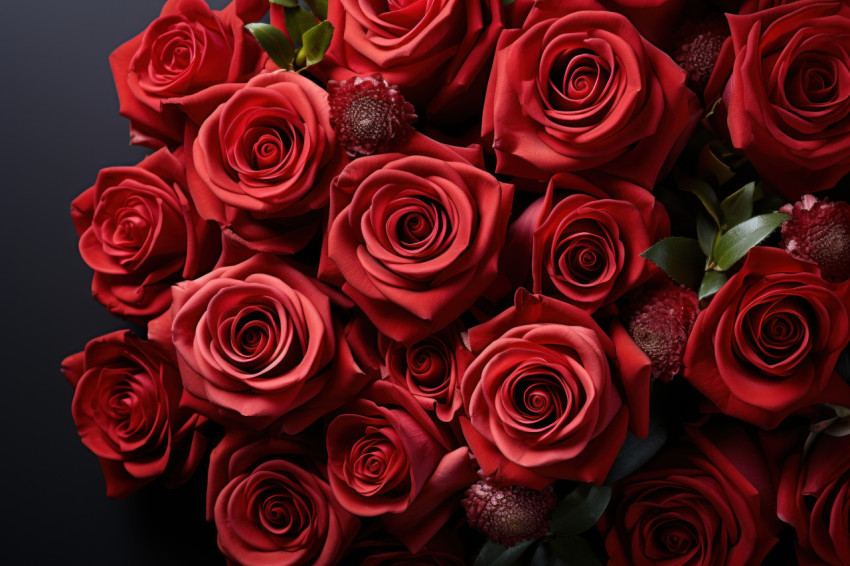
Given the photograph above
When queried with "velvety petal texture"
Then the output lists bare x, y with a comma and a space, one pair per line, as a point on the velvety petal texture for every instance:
415, 236
578, 88
187, 49
139, 231
788, 98
542, 398
128, 411
271, 503
768, 343
259, 345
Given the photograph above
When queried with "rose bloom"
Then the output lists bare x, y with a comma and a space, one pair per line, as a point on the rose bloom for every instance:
706, 502
258, 345
814, 495
128, 411
272, 504
415, 236
540, 399
263, 160
430, 369
388, 458
578, 88
187, 49
582, 241
439, 53
787, 100
140, 233
768, 342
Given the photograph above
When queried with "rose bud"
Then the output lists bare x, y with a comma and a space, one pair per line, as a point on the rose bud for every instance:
509, 514
819, 232
127, 408
369, 114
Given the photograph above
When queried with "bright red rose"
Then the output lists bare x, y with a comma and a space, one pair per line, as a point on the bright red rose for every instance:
258, 345
187, 49
541, 397
140, 233
582, 241
578, 88
387, 458
272, 505
707, 502
788, 98
263, 160
438, 52
127, 408
750, 6
415, 236
768, 343
814, 495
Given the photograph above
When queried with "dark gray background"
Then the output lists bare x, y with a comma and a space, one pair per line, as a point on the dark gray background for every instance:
60, 125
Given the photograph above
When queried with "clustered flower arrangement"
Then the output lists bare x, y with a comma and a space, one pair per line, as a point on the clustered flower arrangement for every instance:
471, 281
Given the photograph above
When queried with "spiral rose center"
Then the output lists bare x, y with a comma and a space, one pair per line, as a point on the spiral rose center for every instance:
777, 330
172, 52
582, 257
428, 366
578, 79
420, 226
539, 398
375, 464
813, 81
279, 510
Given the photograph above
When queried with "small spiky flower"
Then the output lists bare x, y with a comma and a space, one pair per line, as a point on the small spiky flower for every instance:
510, 514
660, 319
698, 48
819, 232
369, 114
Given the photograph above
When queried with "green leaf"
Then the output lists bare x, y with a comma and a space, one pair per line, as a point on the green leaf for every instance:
497, 555
580, 510
711, 283
738, 206
507, 2
737, 241
638, 451
274, 42
316, 42
285, 3
681, 258
704, 193
706, 234
318, 7
298, 21
575, 551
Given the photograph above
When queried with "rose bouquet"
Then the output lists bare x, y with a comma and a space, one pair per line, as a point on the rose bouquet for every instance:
482, 282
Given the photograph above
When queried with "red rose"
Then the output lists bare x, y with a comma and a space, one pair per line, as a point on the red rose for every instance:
814, 495
261, 162
387, 458
272, 505
258, 344
187, 49
750, 6
127, 409
584, 245
788, 100
707, 502
540, 398
430, 369
140, 233
416, 235
438, 53
768, 343
578, 88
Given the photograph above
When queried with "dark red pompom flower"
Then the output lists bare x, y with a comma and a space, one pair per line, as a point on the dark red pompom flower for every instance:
369, 114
